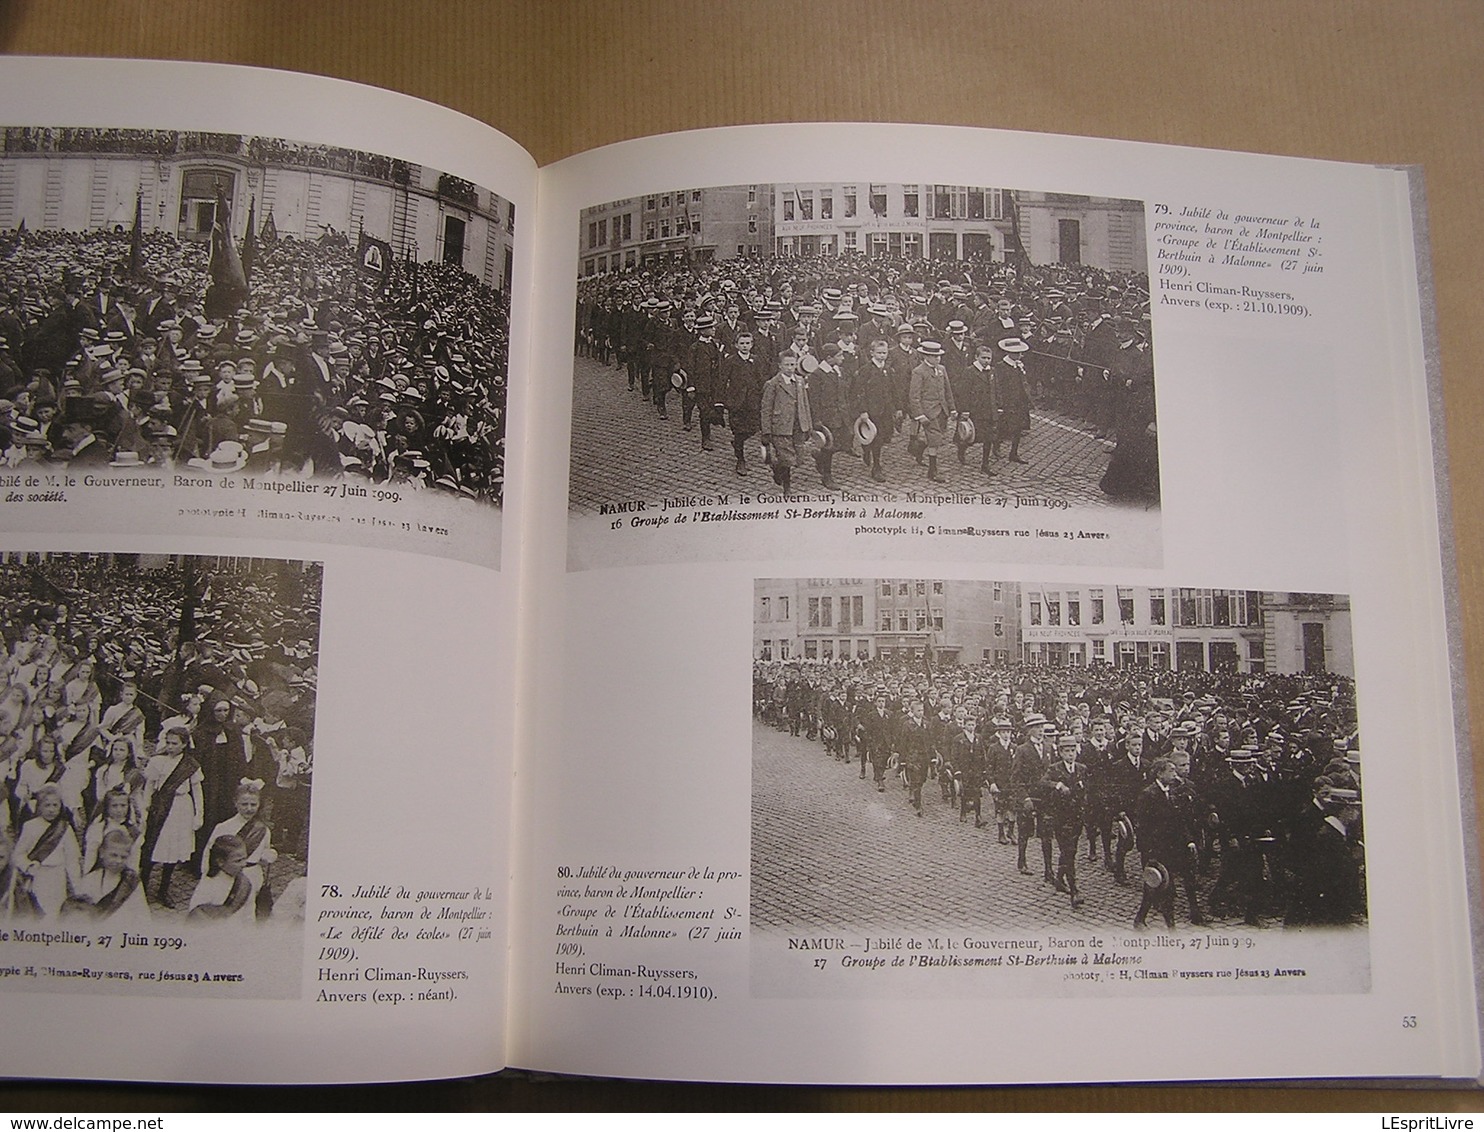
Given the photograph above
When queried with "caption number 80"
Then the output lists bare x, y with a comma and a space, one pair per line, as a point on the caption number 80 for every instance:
1409, 1021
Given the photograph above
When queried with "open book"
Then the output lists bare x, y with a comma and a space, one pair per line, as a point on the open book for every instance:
801, 603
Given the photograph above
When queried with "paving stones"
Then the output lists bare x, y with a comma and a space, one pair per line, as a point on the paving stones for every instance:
622, 450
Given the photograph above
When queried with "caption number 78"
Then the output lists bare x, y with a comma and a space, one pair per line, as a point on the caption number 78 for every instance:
1409, 1021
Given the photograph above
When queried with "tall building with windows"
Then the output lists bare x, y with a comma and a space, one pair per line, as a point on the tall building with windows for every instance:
83, 180
1186, 629
680, 226
957, 222
958, 622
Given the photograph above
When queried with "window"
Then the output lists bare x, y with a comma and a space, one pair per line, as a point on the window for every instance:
902, 621
603, 231
909, 200
826, 205
751, 194
1096, 599
1053, 609
999, 592
649, 230
1187, 607
1035, 612
1221, 609
937, 589
751, 226
858, 611
1156, 607
510, 218
850, 201
806, 206
811, 649
886, 621
1125, 605
665, 201
921, 589
938, 619
1097, 648
695, 196
901, 589
592, 234
765, 613
921, 620
649, 204
628, 225
664, 229
827, 650
850, 244
1074, 611
886, 589
765, 651
999, 626
1002, 656
814, 613
783, 650
942, 202
826, 612
862, 649
788, 208
783, 609
1159, 655
1141, 652
878, 200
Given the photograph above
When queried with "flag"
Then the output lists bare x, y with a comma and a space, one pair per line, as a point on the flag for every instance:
249, 244
375, 258
1015, 255
227, 292
136, 237
269, 234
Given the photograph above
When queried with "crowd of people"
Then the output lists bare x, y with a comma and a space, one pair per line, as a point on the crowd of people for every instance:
821, 356
156, 739
1241, 790
325, 369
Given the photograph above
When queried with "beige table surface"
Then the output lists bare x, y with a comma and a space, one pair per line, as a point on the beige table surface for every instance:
1385, 81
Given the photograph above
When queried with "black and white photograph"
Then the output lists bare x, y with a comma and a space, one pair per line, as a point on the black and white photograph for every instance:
858, 342
1017, 760
211, 303
157, 763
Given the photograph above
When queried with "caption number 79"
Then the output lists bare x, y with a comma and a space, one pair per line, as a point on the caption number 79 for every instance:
1409, 1021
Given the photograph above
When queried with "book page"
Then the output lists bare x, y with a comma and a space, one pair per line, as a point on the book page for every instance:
258, 621
1002, 599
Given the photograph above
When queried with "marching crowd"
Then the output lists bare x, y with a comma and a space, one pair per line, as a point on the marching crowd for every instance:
156, 731
1242, 790
326, 369
819, 356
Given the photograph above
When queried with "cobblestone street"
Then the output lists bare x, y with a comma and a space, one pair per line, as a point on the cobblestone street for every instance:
622, 450
831, 853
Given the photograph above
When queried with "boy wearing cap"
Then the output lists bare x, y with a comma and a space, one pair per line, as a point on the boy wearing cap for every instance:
930, 399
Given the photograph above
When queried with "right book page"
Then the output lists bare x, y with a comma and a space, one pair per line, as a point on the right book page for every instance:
1001, 598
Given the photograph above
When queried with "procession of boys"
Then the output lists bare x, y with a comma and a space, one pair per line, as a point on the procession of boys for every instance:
1172, 798
808, 370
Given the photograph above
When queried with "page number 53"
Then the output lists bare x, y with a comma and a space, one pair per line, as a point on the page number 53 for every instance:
1409, 1021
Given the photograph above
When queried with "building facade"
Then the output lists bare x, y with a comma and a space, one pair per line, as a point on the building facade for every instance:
957, 222
83, 180
828, 619
681, 226
1186, 629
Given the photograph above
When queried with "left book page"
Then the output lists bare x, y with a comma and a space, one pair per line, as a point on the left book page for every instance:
256, 333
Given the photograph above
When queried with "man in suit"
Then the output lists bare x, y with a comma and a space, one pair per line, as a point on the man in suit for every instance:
1064, 805
703, 389
742, 380
1026, 771
930, 400
1167, 840
872, 397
